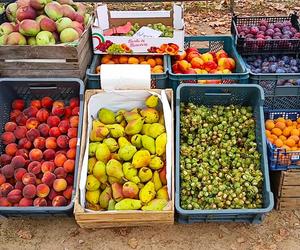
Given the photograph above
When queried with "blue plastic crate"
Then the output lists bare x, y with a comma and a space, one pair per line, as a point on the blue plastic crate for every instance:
206, 44
158, 81
280, 159
209, 95
29, 89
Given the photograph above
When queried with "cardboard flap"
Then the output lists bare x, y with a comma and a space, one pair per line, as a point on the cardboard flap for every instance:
178, 21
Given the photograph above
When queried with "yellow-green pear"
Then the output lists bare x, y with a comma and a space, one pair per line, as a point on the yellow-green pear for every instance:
116, 130
147, 193
126, 152
112, 144
92, 183
160, 144
120, 115
111, 205
93, 148
156, 163
136, 141
156, 180
152, 101
102, 153
128, 204
145, 129
106, 116
99, 172
91, 163
131, 115
92, 196
150, 115
96, 123
114, 169
161, 118
155, 205
155, 130
148, 143
130, 172
162, 193
122, 141
105, 197
113, 180
134, 127
141, 158
145, 174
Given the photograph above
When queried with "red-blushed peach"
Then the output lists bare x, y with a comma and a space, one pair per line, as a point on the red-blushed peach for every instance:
35, 154
62, 141
51, 143
30, 112
197, 62
72, 132
24, 143
8, 137
42, 115
207, 57
14, 114
36, 103
11, 149
60, 185
32, 134
60, 172
5, 188
47, 166
23, 152
34, 167
54, 132
53, 194
5, 159
18, 104
39, 142
21, 119
19, 173
70, 179
48, 178
29, 191
73, 143
58, 108
14, 196
68, 112
61, 151
39, 202
20, 132
69, 166
71, 153
49, 154
75, 111
53, 121
59, 160
68, 192
47, 102
8, 171
19, 185
64, 126
74, 120
2, 179
58, 104
18, 162
10, 127
4, 202
74, 102
28, 178
44, 129
42, 190
26, 202
59, 201
221, 54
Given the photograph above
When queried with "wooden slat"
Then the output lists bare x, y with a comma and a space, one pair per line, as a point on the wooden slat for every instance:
291, 178
39, 65
290, 191
84, 39
289, 203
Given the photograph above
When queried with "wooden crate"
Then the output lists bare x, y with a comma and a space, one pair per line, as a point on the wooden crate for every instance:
108, 219
286, 188
47, 61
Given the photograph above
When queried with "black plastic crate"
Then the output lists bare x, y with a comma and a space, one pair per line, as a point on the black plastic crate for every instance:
262, 46
29, 89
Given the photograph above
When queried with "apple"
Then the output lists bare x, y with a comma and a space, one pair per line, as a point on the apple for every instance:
63, 23
15, 38
6, 28
29, 27
11, 12
69, 35
45, 38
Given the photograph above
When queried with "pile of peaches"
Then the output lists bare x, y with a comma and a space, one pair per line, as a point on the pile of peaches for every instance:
39, 144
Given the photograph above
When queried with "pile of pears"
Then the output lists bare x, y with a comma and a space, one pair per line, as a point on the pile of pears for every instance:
127, 160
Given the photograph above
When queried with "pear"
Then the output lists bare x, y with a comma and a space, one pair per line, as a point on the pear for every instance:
120, 115
112, 144
152, 101
161, 118
115, 156
105, 197
131, 115
136, 141
155, 130
91, 163
130, 190
116, 130
92, 196
134, 127
117, 191
150, 115
145, 174
155, 205
99, 172
98, 134
96, 123
94, 207
148, 143
156, 180
130, 172
126, 152
93, 148
103, 153
147, 193
106, 116
160, 144
111, 205
156, 163
162, 193
123, 123
141, 158
113, 180
128, 204
92, 184
145, 129
114, 169
123, 142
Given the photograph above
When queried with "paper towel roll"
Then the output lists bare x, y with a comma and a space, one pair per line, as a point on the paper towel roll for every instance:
125, 76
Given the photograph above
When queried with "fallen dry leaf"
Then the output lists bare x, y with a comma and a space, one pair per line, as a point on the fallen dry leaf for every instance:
133, 243
26, 235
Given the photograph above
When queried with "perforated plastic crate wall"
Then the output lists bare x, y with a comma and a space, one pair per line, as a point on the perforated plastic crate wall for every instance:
29, 89
208, 95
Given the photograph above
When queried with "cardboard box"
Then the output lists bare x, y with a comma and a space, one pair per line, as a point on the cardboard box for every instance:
106, 19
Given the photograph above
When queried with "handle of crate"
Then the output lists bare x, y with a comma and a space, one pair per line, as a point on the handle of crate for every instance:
48, 87
217, 94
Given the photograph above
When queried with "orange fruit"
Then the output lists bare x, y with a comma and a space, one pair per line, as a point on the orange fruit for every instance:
157, 69
159, 61
143, 62
141, 58
282, 137
276, 131
280, 125
98, 69
123, 59
295, 138
287, 148
152, 62
298, 120
133, 60
105, 59
287, 131
115, 59
280, 119
270, 124
295, 124
268, 133
299, 144
298, 126
278, 143
295, 131
290, 142
288, 122
110, 62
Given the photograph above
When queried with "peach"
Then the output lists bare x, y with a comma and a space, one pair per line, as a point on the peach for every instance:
60, 172
49, 154
5, 188
42, 115
39, 142
60, 185
54, 132
53, 121
72, 132
34, 167
197, 62
4, 202
2, 179
68, 192
44, 129
53, 194
226, 63
19, 185
22, 152
48, 25
5, 159
58, 108
42, 190
30, 111
51, 143
14, 114
63, 126
59, 201
10, 126
71, 153
48, 178
191, 49
24, 143
47, 166
192, 55
221, 54
69, 166
47, 102
8, 137
60, 159
28, 178
11, 149
175, 68
189, 71
74, 120
20, 132
14, 196
40, 202
25, 202
8, 171
207, 57
21, 119
68, 111
181, 56
29, 191
18, 162
74, 102
70, 179
62, 151
63, 141
32, 134
209, 66
73, 143
18, 104
183, 65
35, 155
32, 123
75, 111
19, 173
